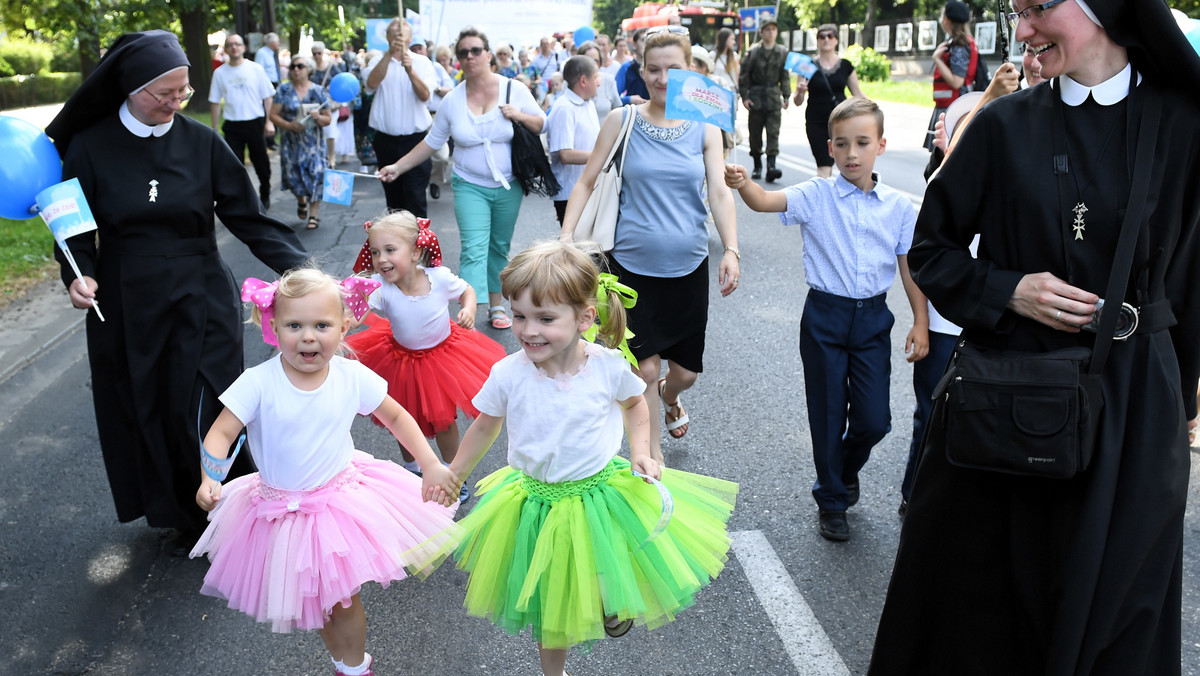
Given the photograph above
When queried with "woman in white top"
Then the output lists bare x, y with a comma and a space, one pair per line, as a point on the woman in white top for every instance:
607, 97
479, 116
727, 63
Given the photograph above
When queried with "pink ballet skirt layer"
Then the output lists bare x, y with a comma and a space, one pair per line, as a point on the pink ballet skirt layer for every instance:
287, 557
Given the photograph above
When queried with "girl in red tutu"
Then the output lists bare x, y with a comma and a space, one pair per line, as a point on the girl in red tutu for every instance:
433, 366
294, 543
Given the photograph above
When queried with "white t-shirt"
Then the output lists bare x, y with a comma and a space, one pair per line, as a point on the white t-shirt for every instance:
443, 80
565, 428
571, 125
419, 322
300, 440
243, 87
482, 143
396, 110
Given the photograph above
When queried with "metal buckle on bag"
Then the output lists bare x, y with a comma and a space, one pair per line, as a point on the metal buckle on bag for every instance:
1127, 320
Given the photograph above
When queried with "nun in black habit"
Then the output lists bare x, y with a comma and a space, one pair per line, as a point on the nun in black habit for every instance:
155, 181
1003, 574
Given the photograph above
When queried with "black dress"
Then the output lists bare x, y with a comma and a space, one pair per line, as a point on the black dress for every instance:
998, 574
173, 311
825, 91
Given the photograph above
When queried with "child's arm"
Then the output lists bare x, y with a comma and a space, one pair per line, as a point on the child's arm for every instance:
752, 193
916, 345
218, 440
636, 413
466, 311
402, 426
573, 156
479, 438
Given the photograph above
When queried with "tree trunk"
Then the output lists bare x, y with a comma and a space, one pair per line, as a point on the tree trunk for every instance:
868, 38
195, 43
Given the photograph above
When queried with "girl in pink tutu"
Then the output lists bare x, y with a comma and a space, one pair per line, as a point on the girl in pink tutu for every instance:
294, 543
434, 366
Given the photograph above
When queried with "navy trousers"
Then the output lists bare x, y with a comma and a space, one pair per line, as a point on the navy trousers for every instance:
408, 190
926, 374
846, 349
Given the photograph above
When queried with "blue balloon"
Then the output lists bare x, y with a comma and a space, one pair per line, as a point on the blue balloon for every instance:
1193, 34
30, 165
343, 88
583, 34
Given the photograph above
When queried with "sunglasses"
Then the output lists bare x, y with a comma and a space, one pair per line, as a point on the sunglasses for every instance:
473, 51
825, 36
666, 29
297, 66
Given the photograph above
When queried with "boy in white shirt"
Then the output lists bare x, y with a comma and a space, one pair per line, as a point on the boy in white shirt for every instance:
572, 127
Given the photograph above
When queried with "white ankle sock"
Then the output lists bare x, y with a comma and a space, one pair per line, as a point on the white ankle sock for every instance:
360, 669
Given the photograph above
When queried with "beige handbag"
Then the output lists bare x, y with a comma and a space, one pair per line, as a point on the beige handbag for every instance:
598, 222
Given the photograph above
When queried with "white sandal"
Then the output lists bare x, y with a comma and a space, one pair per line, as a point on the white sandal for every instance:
675, 416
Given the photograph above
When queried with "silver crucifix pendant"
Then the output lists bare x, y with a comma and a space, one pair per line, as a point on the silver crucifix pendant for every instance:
1080, 209
153, 191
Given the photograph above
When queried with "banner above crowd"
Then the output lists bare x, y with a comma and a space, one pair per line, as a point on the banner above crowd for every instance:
519, 22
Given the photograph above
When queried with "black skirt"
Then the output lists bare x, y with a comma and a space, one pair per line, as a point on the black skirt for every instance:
670, 317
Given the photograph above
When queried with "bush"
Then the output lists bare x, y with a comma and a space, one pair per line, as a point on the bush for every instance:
22, 91
25, 56
870, 65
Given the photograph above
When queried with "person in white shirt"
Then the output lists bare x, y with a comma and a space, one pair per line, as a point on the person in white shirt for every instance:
546, 62
402, 83
607, 64
248, 94
572, 127
607, 97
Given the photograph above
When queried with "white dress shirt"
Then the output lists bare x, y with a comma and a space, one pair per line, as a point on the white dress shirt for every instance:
397, 110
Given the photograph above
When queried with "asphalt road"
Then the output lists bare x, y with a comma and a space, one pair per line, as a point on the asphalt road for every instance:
86, 594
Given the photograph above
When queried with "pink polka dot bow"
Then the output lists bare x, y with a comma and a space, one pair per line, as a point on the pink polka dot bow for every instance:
355, 290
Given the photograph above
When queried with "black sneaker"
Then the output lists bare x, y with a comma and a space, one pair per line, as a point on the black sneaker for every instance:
435, 190
833, 525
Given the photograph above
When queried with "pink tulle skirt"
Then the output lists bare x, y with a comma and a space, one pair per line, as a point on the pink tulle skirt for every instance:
431, 384
288, 557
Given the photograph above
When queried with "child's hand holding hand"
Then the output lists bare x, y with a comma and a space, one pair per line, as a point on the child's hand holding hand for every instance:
466, 317
735, 176
646, 465
439, 477
209, 493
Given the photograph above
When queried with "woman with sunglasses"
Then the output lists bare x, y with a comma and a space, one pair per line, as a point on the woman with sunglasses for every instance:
661, 243
479, 116
171, 339
1005, 573
298, 112
826, 90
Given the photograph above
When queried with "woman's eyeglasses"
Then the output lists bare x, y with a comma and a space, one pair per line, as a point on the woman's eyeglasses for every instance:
169, 99
297, 66
671, 29
476, 51
1032, 12
830, 36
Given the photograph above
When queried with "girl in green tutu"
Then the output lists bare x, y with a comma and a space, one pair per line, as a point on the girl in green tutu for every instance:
567, 540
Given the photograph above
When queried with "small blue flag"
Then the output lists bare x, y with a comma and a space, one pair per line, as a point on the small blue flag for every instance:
339, 187
800, 64
691, 96
65, 210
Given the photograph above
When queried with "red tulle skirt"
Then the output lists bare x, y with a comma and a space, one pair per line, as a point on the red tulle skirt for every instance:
431, 384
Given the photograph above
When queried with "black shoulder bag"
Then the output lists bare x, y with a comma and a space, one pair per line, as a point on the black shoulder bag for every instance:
530, 165
1038, 414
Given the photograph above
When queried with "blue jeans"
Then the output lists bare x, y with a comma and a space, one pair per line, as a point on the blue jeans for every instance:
486, 219
926, 374
846, 348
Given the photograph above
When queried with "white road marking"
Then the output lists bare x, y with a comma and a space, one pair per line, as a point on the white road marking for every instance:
805, 641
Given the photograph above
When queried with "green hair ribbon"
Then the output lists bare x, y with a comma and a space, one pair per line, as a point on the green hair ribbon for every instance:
608, 282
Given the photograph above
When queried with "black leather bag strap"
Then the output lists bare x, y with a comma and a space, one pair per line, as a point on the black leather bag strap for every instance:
1118, 279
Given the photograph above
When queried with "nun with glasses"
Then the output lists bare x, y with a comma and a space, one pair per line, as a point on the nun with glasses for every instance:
172, 336
1000, 573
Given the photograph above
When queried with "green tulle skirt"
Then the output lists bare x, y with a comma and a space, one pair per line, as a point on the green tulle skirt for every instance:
560, 557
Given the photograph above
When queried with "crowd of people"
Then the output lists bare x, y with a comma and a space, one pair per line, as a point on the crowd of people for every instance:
1061, 576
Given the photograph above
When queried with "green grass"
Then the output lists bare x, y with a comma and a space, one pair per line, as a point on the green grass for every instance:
26, 256
27, 249
900, 91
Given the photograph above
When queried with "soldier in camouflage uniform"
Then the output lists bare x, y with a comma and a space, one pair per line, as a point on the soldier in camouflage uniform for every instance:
765, 86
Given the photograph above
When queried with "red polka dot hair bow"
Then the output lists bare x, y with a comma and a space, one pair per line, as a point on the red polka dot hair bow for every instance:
262, 295
357, 289
428, 241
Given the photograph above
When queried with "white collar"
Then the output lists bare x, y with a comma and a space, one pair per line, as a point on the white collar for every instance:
574, 98
1113, 90
139, 128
